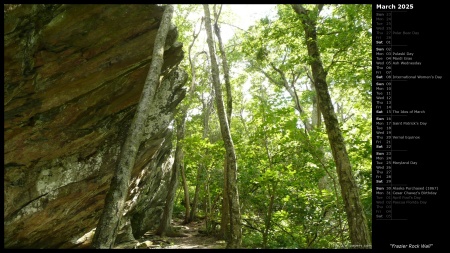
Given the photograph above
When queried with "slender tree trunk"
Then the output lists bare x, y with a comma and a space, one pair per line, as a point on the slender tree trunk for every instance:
271, 192
205, 209
206, 112
225, 227
268, 221
225, 218
226, 69
201, 167
207, 107
186, 196
359, 232
164, 225
235, 219
316, 115
197, 190
208, 215
108, 224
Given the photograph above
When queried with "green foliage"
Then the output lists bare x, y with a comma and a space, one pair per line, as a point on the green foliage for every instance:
276, 156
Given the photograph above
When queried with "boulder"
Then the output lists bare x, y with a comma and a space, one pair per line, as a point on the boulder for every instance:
73, 76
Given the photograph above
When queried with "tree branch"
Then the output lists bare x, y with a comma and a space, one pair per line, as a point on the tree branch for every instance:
249, 225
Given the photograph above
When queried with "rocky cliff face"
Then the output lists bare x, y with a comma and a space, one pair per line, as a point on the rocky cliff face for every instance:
73, 77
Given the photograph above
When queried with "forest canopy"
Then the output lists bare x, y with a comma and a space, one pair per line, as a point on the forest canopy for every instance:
296, 93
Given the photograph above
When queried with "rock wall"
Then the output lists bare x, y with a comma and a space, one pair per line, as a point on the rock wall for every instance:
73, 77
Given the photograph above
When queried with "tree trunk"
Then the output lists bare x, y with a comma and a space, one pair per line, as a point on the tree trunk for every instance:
226, 69
359, 232
268, 221
164, 225
197, 190
108, 224
186, 196
229, 109
315, 115
271, 192
235, 219
201, 167
225, 218
208, 214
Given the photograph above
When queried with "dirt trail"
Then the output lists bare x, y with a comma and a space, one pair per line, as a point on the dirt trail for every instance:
191, 237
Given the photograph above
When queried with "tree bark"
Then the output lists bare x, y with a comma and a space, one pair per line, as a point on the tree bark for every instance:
235, 219
316, 117
197, 190
359, 232
186, 196
201, 167
208, 213
108, 224
225, 227
271, 192
226, 69
164, 226
268, 221
225, 218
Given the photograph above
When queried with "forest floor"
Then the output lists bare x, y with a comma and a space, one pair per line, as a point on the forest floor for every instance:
187, 236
